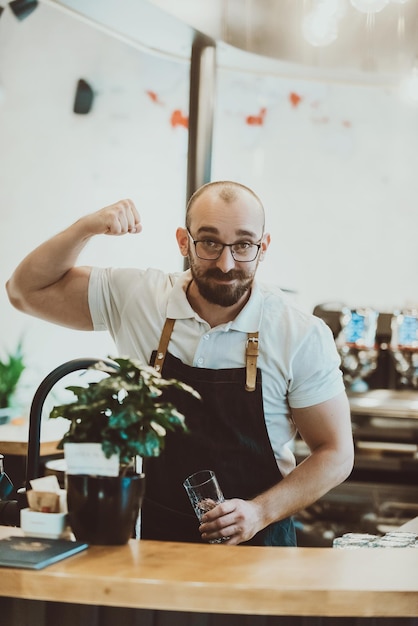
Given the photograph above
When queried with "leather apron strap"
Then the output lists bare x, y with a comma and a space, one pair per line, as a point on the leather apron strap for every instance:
163, 345
251, 353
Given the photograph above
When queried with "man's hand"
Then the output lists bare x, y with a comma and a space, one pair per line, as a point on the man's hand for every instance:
239, 520
119, 218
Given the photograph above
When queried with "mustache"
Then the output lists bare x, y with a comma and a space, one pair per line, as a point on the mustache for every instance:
222, 276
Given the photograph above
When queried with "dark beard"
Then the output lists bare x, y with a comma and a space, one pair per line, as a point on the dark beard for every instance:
217, 293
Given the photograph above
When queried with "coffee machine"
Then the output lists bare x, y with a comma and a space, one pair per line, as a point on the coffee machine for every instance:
404, 346
372, 346
356, 343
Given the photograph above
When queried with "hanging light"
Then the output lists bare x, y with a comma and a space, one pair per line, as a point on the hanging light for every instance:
369, 6
318, 32
320, 26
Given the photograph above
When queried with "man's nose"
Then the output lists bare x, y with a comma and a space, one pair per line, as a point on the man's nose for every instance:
226, 261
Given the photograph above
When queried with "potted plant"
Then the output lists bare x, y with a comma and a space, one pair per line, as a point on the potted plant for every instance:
10, 372
112, 422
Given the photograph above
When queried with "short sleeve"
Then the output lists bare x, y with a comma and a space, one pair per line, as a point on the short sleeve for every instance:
316, 375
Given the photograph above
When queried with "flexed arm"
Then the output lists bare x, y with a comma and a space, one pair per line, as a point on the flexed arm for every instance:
47, 283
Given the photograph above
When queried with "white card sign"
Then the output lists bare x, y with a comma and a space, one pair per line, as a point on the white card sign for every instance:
88, 458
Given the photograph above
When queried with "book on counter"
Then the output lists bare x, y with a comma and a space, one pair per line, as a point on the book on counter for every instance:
36, 552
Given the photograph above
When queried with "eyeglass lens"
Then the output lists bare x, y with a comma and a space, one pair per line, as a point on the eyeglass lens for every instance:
210, 250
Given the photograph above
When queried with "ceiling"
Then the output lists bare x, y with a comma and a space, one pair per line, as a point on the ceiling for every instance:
380, 45
277, 36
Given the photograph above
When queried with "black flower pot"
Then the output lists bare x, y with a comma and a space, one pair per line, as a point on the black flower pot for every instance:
103, 510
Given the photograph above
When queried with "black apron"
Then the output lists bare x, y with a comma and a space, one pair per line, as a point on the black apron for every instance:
227, 434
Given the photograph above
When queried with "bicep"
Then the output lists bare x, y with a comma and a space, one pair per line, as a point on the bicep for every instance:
66, 301
327, 424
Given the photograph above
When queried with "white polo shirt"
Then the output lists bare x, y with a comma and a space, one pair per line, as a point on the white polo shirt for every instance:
297, 354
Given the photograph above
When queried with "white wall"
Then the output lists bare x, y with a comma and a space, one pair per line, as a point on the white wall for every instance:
56, 166
336, 172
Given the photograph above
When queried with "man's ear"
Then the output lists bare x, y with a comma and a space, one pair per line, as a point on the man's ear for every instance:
265, 242
183, 241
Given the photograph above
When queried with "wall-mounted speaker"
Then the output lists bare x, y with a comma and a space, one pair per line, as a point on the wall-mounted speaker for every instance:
23, 8
83, 98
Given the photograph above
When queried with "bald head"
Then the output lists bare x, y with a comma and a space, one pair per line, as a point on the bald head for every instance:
226, 191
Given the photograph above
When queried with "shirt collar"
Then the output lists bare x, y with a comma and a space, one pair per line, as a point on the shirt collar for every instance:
249, 319
178, 306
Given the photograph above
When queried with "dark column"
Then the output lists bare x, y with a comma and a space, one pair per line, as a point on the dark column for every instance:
201, 109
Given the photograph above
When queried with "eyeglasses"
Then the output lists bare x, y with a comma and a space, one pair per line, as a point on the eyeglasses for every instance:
208, 250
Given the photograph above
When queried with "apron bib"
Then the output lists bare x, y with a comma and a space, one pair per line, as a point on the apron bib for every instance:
227, 434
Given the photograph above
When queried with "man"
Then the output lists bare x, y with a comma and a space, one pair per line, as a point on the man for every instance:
263, 368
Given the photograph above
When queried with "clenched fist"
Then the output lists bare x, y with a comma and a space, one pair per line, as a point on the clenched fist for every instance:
116, 219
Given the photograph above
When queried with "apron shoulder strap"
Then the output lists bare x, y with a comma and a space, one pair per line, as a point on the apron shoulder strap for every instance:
163, 345
251, 354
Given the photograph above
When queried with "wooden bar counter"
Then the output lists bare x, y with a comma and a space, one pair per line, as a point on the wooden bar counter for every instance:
14, 437
228, 580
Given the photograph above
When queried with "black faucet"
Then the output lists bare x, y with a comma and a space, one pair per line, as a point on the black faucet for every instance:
10, 509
